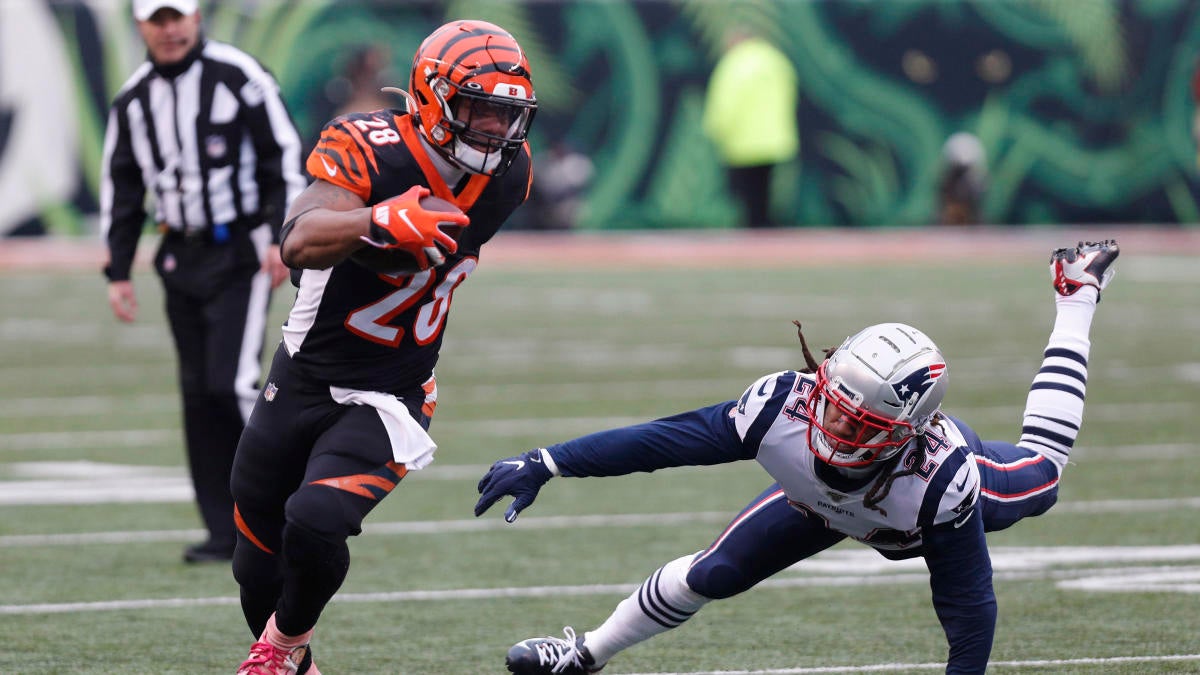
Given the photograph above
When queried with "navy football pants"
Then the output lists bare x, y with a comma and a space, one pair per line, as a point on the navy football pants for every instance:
770, 535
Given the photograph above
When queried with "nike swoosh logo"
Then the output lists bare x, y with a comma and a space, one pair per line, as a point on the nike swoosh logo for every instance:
404, 216
963, 485
960, 523
762, 390
330, 169
520, 464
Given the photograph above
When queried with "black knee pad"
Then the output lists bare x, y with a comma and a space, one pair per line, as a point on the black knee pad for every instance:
306, 548
717, 579
255, 568
320, 509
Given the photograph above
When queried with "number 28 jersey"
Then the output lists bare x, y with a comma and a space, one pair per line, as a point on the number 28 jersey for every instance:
357, 329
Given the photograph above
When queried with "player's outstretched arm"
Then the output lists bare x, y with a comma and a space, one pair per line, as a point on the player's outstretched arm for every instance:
701, 437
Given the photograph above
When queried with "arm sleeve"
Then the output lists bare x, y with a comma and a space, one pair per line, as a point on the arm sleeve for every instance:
342, 157
277, 147
122, 196
701, 437
960, 576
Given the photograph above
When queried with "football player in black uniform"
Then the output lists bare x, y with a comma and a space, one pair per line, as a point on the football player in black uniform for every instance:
348, 401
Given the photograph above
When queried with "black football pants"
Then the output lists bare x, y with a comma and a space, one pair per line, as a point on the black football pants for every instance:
751, 185
308, 471
218, 341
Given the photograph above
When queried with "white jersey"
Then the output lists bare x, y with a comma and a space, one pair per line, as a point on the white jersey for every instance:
942, 489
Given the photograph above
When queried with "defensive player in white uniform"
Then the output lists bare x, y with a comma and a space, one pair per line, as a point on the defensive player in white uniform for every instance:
859, 448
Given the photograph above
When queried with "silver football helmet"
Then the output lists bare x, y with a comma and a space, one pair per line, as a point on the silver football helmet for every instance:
884, 383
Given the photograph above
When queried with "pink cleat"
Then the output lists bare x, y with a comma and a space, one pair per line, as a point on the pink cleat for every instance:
279, 654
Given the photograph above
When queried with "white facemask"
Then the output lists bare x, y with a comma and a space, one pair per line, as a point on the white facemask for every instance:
475, 160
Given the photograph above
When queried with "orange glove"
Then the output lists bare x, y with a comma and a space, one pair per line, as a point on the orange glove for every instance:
402, 223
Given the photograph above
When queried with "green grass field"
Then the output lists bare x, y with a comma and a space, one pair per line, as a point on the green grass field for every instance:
1107, 582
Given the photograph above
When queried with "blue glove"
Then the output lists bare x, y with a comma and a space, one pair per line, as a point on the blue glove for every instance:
521, 477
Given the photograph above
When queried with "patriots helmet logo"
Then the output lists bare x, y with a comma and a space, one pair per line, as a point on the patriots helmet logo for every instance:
918, 382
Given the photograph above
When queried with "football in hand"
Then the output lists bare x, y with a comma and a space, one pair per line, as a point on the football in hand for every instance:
398, 261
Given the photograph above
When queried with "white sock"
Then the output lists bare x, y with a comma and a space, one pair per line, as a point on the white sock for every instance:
661, 603
1054, 407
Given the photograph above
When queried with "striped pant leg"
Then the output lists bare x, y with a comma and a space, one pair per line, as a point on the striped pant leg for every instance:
1022, 480
769, 535
1054, 406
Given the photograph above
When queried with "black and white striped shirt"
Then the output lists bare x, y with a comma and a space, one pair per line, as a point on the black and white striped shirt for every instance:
213, 141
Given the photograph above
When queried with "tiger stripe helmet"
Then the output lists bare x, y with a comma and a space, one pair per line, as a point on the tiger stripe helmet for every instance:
473, 94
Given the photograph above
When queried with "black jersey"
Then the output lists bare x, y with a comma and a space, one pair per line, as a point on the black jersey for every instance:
353, 328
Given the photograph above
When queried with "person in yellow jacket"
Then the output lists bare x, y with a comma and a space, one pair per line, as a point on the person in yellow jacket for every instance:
750, 115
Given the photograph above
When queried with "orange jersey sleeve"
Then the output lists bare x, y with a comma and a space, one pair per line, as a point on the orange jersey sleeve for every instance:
344, 157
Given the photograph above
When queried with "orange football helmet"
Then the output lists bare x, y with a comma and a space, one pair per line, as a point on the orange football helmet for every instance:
473, 95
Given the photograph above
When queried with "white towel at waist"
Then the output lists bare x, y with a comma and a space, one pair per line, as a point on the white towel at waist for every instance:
411, 445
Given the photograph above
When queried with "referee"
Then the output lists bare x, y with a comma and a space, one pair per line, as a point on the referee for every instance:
202, 127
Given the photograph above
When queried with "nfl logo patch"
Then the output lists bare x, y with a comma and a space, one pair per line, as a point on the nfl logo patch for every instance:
270, 391
215, 146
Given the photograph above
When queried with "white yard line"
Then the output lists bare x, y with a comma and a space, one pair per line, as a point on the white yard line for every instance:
1026, 555
892, 667
542, 427
84, 482
389, 528
1169, 580
168, 401
61, 440
88, 406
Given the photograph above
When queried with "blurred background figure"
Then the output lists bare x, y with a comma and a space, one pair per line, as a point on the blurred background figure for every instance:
963, 180
559, 188
750, 115
201, 126
356, 89
364, 71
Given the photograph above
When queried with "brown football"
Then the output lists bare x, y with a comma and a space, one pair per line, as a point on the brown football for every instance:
432, 203
396, 261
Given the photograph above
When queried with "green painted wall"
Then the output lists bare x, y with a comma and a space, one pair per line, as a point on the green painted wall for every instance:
1084, 106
